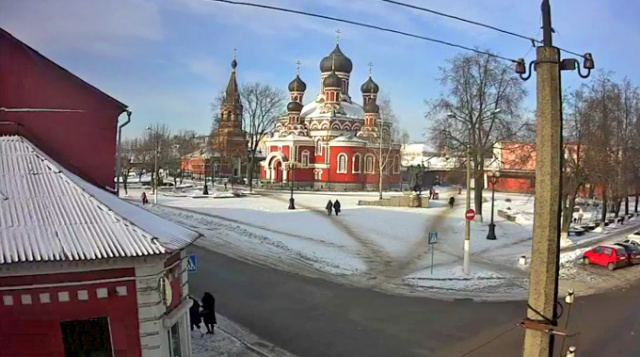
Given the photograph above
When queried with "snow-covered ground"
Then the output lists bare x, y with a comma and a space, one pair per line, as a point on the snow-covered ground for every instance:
381, 248
231, 340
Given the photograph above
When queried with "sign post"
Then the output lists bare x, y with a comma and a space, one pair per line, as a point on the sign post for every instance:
470, 214
433, 239
192, 263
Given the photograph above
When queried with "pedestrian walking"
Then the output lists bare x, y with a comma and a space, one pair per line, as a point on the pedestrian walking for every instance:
209, 312
336, 207
580, 215
329, 207
452, 201
194, 315
144, 198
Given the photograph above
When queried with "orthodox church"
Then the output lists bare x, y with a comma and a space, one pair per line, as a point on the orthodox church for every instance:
332, 142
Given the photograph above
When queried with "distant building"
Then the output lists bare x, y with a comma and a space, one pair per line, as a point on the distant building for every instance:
333, 141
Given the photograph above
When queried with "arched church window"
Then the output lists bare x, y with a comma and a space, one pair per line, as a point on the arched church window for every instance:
342, 163
355, 165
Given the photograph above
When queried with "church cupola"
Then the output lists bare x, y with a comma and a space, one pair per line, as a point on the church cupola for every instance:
231, 108
339, 64
369, 88
297, 87
331, 85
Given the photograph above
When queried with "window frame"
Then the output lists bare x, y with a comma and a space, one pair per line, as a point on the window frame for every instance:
356, 158
342, 165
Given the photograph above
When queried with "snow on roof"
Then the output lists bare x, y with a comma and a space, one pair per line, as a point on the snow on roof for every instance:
351, 110
49, 214
348, 138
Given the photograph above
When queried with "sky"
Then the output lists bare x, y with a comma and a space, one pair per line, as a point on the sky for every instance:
168, 59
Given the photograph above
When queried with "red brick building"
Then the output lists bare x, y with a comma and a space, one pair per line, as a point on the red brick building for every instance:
332, 142
81, 271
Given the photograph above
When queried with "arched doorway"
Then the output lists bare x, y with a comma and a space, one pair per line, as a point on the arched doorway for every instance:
276, 171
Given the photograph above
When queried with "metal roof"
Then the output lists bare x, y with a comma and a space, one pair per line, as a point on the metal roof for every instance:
49, 214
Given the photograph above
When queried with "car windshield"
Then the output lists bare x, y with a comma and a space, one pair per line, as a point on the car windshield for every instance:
621, 250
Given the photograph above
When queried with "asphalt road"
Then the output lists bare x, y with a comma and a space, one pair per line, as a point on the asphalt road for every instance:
312, 317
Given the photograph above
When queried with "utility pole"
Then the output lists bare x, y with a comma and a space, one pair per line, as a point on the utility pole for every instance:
380, 164
543, 282
467, 223
155, 171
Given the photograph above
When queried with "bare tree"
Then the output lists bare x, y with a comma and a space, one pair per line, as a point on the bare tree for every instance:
157, 144
482, 106
184, 143
262, 103
130, 148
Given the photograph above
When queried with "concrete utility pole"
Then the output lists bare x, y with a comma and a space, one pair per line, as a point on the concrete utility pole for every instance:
543, 282
467, 223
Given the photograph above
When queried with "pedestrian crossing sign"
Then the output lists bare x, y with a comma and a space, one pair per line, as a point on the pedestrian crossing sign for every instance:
192, 264
433, 237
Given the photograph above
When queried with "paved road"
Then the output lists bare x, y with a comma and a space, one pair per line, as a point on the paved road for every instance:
312, 317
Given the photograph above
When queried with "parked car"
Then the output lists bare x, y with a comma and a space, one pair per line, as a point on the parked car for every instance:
634, 236
609, 256
632, 250
633, 241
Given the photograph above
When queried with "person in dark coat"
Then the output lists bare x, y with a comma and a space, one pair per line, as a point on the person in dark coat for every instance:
451, 202
194, 314
336, 207
329, 207
144, 198
209, 312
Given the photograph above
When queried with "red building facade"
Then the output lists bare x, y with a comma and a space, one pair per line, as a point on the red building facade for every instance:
333, 142
48, 105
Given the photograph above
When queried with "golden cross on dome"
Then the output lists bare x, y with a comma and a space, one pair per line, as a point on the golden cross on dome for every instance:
370, 68
298, 67
338, 36
235, 53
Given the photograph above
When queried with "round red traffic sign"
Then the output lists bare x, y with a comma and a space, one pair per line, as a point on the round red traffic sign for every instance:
470, 214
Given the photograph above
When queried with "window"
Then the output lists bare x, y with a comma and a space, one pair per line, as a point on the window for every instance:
318, 174
342, 163
607, 251
305, 158
396, 165
86, 337
368, 164
597, 250
174, 340
318, 146
356, 162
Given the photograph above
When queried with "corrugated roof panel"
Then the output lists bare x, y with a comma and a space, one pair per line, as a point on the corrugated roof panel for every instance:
49, 214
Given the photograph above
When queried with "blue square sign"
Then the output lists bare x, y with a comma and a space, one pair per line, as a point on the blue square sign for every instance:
433, 237
192, 264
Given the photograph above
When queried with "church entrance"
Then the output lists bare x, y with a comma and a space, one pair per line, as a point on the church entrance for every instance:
276, 171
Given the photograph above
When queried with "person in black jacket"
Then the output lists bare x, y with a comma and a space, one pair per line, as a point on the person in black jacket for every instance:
452, 201
329, 207
336, 207
209, 312
194, 314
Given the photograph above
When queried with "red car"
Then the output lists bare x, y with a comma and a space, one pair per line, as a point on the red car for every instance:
609, 256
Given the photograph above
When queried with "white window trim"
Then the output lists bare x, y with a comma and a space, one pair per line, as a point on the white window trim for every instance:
318, 141
304, 158
346, 160
396, 165
373, 163
353, 163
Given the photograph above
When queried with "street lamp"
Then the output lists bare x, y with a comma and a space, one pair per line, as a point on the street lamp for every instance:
292, 178
494, 177
155, 164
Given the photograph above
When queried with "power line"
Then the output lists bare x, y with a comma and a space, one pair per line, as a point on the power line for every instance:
362, 24
488, 341
506, 32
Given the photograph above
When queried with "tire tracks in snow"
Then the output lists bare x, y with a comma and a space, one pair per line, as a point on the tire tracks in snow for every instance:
373, 256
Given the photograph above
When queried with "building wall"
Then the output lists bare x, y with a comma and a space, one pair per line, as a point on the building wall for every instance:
31, 81
31, 314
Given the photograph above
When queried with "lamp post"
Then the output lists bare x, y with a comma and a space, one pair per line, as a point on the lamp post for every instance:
292, 178
494, 177
155, 164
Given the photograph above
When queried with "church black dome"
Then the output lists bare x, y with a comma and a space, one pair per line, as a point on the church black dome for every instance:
332, 81
342, 62
371, 108
370, 87
297, 85
294, 107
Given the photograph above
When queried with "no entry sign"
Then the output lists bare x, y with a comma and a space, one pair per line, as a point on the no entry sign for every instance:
470, 214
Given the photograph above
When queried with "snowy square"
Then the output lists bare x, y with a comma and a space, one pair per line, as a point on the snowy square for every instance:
63, 296
83, 295
45, 298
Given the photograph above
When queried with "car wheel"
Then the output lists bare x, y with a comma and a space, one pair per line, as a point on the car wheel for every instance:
586, 261
611, 266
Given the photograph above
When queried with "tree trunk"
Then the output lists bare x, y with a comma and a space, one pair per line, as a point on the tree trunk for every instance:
124, 181
478, 186
567, 213
592, 191
250, 172
181, 176
380, 181
603, 217
626, 205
